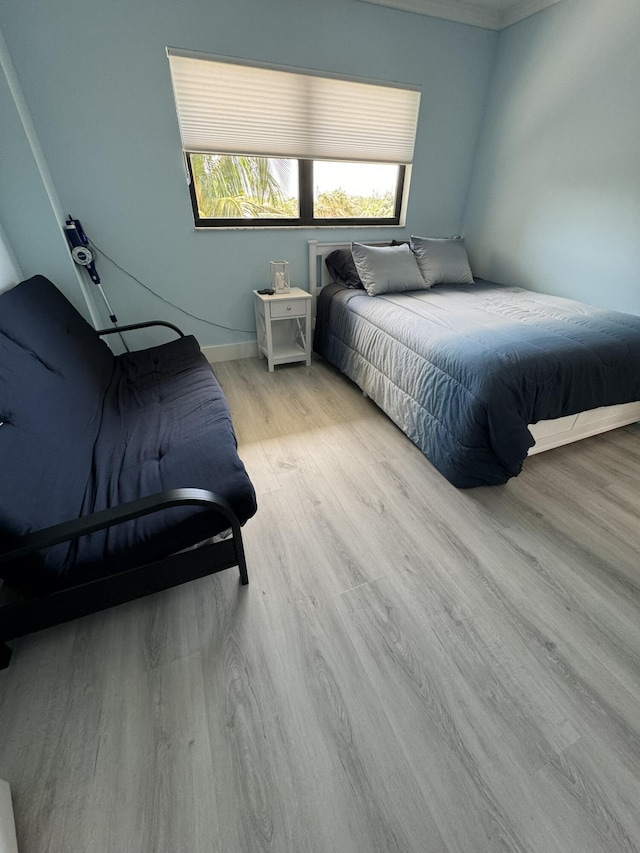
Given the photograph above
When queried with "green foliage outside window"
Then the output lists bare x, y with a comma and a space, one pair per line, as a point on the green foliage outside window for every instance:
237, 187
338, 204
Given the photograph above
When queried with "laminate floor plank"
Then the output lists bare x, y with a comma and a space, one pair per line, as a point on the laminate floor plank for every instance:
49, 758
412, 668
609, 456
135, 637
599, 696
316, 510
465, 600
350, 761
603, 617
291, 715
603, 788
245, 701
469, 701
153, 785
437, 499
257, 461
442, 725
566, 506
393, 537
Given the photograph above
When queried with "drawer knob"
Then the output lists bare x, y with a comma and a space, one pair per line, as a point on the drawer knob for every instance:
288, 307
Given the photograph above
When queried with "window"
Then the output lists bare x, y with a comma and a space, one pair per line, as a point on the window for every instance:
239, 190
269, 146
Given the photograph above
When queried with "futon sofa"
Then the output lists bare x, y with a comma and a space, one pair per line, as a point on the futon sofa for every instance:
110, 465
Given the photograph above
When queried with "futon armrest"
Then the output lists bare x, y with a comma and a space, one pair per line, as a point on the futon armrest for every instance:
117, 515
146, 325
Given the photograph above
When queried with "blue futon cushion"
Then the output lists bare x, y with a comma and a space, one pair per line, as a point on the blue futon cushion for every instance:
54, 373
165, 425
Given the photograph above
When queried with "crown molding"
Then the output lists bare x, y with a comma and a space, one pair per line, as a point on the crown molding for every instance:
463, 12
524, 9
449, 10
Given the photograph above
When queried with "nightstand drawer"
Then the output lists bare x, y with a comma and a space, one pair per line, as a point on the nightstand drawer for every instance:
288, 308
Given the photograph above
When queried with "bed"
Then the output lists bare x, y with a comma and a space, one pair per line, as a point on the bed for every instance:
479, 375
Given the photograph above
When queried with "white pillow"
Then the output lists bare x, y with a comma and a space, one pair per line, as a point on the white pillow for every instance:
442, 261
387, 269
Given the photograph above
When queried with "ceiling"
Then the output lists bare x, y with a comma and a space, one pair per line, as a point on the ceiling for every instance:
492, 14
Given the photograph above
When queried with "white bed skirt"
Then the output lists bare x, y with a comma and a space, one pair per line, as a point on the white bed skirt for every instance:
561, 431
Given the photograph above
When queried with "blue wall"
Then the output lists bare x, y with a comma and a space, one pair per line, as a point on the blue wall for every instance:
96, 81
554, 203
9, 272
25, 210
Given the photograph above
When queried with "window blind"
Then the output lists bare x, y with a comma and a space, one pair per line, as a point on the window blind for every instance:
228, 107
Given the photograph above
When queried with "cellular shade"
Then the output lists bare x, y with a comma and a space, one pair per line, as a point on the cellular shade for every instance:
227, 107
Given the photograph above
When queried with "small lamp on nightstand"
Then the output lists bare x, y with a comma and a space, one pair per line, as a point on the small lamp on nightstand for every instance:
280, 276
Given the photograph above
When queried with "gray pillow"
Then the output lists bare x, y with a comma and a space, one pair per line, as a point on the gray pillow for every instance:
387, 269
442, 261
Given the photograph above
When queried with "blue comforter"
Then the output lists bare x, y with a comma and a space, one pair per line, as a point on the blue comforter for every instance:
463, 370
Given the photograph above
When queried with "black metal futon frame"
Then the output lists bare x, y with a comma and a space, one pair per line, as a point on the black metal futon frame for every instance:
20, 616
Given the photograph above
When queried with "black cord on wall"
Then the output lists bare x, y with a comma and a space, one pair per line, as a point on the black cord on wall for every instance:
162, 299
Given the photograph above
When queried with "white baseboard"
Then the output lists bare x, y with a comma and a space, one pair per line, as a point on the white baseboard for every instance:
230, 352
8, 843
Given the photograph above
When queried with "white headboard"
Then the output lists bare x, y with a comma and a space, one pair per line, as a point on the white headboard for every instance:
319, 275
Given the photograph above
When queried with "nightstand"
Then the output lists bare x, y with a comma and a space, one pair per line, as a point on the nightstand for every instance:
283, 324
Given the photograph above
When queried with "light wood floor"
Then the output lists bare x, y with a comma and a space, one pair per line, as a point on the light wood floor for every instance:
412, 668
